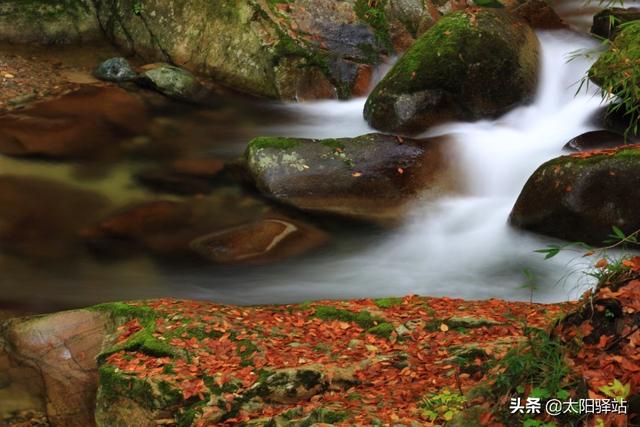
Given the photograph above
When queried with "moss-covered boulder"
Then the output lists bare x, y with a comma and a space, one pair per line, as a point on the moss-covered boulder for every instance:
607, 23
472, 64
48, 22
173, 82
371, 177
580, 197
278, 49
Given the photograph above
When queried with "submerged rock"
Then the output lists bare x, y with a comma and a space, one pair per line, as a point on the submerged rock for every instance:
372, 177
41, 219
580, 197
115, 70
267, 240
474, 64
595, 140
173, 82
85, 123
607, 23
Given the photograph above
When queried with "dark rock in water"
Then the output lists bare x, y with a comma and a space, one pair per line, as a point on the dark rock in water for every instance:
580, 197
175, 183
372, 177
595, 140
606, 23
474, 64
42, 219
167, 228
540, 15
188, 176
267, 240
173, 82
115, 70
82, 124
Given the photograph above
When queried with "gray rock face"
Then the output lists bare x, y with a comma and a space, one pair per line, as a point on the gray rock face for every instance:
372, 177
115, 70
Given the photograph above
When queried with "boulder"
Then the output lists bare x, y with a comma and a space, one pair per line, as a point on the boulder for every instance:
372, 177
173, 82
115, 70
540, 15
580, 197
595, 140
49, 22
474, 64
85, 123
48, 365
250, 45
259, 242
606, 23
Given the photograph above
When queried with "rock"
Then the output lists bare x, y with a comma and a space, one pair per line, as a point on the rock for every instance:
85, 123
115, 70
372, 177
49, 363
607, 22
540, 15
474, 64
167, 228
163, 181
45, 22
44, 217
267, 240
580, 197
272, 49
173, 82
595, 140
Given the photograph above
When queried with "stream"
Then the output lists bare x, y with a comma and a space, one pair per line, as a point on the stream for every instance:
458, 247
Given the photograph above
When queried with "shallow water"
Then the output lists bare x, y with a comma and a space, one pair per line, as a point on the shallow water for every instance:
458, 247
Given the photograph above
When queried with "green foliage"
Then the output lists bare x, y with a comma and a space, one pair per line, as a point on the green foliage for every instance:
442, 406
372, 12
616, 390
137, 8
387, 302
617, 72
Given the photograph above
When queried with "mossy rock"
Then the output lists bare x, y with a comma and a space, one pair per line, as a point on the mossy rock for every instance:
49, 22
474, 64
371, 177
581, 197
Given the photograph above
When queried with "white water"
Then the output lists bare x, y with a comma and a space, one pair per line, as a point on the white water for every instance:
459, 247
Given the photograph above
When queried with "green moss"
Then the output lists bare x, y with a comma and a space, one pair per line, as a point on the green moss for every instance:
144, 342
332, 143
115, 385
387, 302
374, 15
273, 142
383, 330
363, 318
121, 311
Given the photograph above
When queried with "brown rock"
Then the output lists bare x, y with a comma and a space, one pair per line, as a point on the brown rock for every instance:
80, 124
43, 218
540, 15
595, 140
50, 362
263, 241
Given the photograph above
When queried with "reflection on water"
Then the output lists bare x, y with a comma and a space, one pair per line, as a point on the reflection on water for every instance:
458, 247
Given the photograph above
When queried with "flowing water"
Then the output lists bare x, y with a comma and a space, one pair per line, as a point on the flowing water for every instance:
459, 247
